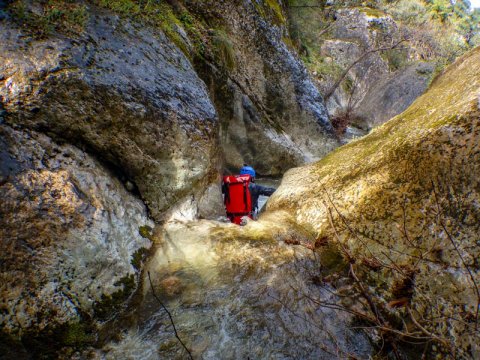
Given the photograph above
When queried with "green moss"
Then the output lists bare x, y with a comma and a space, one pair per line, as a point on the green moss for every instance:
223, 49
138, 257
372, 12
332, 260
289, 42
325, 69
110, 304
161, 14
56, 15
348, 85
277, 10
121, 6
50, 342
271, 8
146, 232
155, 13
395, 58
76, 334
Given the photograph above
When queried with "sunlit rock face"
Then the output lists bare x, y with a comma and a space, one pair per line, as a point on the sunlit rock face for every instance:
408, 195
122, 92
70, 244
271, 114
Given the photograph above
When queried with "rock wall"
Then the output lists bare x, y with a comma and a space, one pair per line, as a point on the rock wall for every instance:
355, 32
70, 247
271, 114
406, 197
384, 74
393, 94
101, 92
92, 124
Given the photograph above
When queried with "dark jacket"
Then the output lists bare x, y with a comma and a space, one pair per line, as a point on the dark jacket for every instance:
257, 190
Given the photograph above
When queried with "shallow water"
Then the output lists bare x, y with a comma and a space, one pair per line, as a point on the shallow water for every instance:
233, 298
270, 182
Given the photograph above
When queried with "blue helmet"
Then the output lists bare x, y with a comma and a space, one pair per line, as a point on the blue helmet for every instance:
247, 170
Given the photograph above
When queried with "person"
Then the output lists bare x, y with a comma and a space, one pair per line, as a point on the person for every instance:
241, 195
255, 189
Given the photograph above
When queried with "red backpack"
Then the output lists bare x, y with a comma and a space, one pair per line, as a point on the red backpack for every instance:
238, 201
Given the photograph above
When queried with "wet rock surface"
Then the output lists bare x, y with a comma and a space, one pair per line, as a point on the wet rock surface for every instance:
69, 231
236, 293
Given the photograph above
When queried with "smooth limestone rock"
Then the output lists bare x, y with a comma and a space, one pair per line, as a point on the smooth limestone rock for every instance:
409, 193
271, 114
121, 91
394, 93
376, 88
70, 246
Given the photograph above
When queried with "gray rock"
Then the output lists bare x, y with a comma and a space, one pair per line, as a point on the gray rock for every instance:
372, 92
272, 115
122, 92
69, 234
394, 94
210, 205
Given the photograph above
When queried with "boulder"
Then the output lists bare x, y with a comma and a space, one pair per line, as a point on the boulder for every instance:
393, 94
403, 201
71, 247
122, 92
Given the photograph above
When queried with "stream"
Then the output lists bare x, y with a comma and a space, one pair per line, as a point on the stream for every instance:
233, 297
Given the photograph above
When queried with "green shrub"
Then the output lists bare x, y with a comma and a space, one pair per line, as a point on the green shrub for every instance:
138, 257
223, 48
395, 58
56, 15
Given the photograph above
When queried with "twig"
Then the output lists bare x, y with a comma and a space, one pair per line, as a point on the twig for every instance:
379, 319
452, 241
169, 315
332, 89
322, 346
425, 331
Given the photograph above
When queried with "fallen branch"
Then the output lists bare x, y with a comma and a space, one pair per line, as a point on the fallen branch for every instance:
169, 315
426, 332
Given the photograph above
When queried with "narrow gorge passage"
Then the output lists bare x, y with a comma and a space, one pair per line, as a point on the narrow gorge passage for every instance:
119, 120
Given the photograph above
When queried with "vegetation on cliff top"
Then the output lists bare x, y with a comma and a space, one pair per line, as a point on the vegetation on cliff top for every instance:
206, 39
401, 32
436, 29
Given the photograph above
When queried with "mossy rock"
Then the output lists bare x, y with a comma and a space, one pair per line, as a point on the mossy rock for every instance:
138, 257
332, 259
146, 232
270, 9
113, 303
223, 48
404, 200
52, 342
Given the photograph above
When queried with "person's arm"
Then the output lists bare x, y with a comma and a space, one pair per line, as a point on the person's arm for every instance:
266, 191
